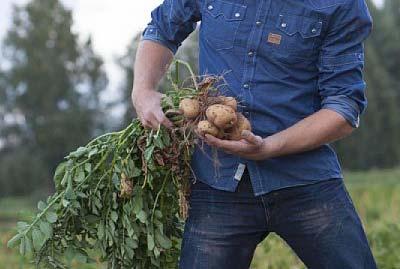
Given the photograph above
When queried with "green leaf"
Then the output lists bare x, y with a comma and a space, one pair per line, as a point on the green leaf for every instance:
22, 226
150, 242
38, 239
135, 171
69, 192
98, 203
41, 205
22, 247
28, 244
92, 152
162, 240
114, 216
158, 214
59, 173
14, 241
46, 229
51, 217
156, 252
138, 201
142, 216
130, 253
79, 152
158, 142
80, 177
65, 202
100, 231
88, 167
133, 244
148, 153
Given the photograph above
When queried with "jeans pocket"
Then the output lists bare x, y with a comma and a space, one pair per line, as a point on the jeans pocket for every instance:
220, 22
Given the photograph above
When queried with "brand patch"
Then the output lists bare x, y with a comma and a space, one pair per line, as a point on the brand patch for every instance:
274, 38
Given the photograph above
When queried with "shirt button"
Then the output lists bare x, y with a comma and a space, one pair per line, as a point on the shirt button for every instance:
258, 23
246, 86
314, 30
237, 15
250, 53
284, 24
210, 7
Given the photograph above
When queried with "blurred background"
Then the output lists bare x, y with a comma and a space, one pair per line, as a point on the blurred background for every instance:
66, 75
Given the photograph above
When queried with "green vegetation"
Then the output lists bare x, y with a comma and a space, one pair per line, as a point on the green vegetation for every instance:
376, 195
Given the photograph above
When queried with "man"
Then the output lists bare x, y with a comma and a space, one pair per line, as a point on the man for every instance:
296, 67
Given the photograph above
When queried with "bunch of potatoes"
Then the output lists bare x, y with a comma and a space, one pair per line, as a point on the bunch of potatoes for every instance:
218, 117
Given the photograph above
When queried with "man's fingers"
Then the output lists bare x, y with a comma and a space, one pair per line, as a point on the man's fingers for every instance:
252, 138
162, 119
223, 144
152, 122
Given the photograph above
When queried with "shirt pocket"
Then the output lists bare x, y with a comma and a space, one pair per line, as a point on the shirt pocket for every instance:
299, 35
220, 23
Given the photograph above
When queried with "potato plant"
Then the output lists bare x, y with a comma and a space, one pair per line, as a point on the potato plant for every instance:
123, 196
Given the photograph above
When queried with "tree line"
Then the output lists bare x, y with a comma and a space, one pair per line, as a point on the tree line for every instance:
51, 86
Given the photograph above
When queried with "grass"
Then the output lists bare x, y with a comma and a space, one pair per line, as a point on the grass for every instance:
376, 195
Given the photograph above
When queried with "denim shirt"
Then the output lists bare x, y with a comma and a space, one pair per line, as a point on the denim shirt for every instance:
283, 60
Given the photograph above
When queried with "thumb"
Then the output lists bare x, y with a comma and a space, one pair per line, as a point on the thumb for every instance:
252, 138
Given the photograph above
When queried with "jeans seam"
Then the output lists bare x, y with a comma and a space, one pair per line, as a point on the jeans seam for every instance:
266, 211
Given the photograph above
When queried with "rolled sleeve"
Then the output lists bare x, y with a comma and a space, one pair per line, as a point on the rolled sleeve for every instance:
172, 22
341, 84
345, 106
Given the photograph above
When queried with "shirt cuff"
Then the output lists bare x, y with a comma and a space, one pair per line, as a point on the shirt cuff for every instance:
345, 106
153, 34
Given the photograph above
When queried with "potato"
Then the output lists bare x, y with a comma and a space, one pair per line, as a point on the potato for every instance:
229, 101
235, 133
223, 100
222, 116
190, 108
205, 127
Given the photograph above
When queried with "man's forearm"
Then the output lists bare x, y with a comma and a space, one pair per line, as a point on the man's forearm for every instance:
152, 61
322, 127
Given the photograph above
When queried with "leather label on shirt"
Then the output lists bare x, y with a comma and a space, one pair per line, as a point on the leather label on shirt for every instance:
240, 171
274, 38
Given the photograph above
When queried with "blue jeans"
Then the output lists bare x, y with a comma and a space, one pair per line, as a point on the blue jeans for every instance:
318, 221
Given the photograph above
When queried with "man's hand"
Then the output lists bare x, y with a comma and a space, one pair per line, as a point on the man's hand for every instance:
251, 146
152, 61
147, 104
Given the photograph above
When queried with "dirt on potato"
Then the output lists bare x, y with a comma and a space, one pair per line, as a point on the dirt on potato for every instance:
222, 116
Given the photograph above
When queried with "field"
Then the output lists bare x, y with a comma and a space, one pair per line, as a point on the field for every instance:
376, 195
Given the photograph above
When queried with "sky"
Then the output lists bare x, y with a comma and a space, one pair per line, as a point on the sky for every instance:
111, 23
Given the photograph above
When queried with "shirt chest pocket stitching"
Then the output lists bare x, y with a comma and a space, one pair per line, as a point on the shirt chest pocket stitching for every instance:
230, 11
292, 24
299, 37
221, 21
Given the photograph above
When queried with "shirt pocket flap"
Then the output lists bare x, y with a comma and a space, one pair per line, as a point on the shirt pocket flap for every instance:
292, 24
311, 28
230, 11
